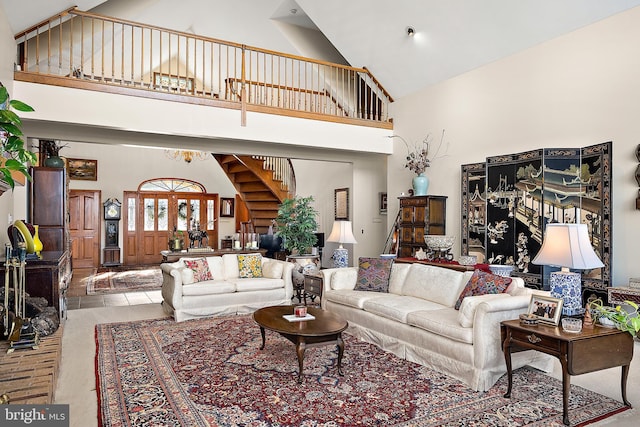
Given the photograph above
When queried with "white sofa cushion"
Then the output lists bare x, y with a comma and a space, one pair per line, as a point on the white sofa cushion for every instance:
216, 267
231, 270
398, 307
469, 305
398, 275
350, 298
344, 279
443, 322
258, 284
272, 269
208, 287
440, 285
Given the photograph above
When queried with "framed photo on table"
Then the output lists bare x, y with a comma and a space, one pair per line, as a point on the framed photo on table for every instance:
546, 309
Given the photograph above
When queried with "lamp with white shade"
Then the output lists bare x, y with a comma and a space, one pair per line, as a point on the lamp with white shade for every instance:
341, 233
567, 246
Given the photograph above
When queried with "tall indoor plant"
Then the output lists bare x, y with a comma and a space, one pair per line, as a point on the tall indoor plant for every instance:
297, 224
14, 157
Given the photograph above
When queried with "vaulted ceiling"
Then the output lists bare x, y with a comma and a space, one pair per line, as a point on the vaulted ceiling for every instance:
451, 37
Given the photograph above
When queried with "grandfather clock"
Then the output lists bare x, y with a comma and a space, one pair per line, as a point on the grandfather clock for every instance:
112, 215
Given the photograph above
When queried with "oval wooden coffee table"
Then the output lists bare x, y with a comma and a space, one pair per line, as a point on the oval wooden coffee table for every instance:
325, 329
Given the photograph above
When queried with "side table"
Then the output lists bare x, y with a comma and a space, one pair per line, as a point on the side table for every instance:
579, 353
313, 285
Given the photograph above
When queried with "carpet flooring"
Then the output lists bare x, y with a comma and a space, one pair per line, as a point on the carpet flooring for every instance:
210, 372
109, 280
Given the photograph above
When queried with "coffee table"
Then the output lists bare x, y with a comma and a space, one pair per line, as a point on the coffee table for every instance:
325, 329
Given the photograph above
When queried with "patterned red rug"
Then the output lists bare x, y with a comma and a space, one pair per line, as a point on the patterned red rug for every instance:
114, 280
211, 372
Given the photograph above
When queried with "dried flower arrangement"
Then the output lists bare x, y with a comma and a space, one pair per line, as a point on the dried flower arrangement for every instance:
417, 159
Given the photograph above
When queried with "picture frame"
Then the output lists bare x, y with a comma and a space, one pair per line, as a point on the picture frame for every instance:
382, 203
175, 83
546, 309
82, 169
341, 197
227, 207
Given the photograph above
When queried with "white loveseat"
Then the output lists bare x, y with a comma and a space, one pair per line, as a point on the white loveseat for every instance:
417, 321
226, 292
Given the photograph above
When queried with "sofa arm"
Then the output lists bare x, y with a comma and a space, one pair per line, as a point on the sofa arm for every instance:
487, 346
172, 285
287, 277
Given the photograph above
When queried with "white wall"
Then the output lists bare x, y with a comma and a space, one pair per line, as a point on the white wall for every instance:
579, 89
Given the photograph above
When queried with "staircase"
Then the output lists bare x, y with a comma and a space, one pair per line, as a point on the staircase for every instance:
262, 182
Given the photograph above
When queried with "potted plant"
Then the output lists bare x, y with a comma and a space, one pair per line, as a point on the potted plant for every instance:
297, 224
14, 157
624, 317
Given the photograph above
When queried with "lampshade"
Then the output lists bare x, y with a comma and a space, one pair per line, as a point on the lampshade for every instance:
341, 233
567, 245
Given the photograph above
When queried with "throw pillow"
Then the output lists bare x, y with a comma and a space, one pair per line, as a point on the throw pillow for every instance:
483, 283
200, 269
272, 269
250, 266
373, 274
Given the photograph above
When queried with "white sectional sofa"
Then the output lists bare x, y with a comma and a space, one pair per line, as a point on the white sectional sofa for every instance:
417, 321
226, 292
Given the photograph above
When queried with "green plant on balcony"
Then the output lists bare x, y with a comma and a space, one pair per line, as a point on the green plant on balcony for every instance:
297, 224
14, 157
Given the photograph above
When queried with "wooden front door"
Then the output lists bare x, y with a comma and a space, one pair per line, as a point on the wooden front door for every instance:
84, 227
150, 217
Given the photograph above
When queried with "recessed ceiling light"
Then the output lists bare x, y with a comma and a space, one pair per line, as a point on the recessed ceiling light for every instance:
410, 31
293, 11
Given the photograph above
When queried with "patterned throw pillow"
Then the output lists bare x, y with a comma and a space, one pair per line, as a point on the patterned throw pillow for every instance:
483, 283
200, 269
373, 274
250, 266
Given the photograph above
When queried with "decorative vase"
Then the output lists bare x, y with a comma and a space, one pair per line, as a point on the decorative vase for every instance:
420, 185
54, 162
37, 243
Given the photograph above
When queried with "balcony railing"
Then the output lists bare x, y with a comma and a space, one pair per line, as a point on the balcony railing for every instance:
90, 51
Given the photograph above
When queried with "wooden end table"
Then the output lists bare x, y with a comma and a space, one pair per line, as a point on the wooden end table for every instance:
325, 329
579, 353
313, 284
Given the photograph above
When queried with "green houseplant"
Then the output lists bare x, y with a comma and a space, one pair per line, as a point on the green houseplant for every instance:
14, 157
624, 319
297, 224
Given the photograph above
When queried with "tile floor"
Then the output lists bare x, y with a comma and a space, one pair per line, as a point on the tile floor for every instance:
77, 294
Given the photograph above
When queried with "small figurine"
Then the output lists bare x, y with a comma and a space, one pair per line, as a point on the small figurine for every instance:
421, 255
587, 323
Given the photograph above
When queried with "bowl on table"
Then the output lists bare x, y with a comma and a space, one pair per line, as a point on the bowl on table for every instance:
501, 270
468, 260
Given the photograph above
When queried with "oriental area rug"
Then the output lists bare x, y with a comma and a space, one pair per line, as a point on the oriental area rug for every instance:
111, 280
211, 372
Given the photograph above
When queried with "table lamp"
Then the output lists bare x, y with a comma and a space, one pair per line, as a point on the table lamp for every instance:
567, 246
341, 233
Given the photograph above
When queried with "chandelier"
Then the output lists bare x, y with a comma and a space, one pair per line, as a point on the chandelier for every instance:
186, 155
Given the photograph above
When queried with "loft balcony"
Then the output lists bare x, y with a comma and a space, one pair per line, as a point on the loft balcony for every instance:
84, 50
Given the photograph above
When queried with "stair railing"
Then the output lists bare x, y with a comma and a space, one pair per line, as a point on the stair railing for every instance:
83, 49
282, 170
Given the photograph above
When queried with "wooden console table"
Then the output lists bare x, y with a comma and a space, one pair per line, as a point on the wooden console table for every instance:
168, 256
588, 351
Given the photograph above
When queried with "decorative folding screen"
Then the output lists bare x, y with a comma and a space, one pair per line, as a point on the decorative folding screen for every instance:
521, 193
